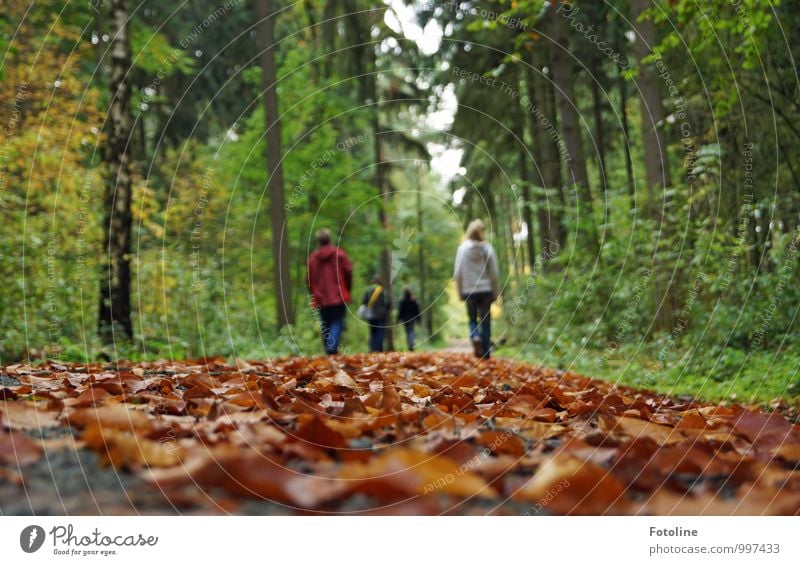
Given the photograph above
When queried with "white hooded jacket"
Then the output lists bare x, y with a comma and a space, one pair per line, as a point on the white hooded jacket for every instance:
476, 268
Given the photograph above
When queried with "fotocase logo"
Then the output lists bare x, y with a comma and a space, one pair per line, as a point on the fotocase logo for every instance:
31, 539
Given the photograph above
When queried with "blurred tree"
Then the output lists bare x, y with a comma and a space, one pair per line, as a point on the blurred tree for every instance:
280, 244
114, 319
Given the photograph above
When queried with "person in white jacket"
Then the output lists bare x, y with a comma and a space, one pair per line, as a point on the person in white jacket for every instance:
476, 275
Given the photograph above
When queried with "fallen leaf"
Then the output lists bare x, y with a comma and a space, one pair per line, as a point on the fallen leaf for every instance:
343, 379
17, 449
567, 485
26, 416
634, 428
400, 472
125, 450
112, 416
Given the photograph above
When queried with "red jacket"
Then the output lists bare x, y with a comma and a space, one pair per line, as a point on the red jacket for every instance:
330, 276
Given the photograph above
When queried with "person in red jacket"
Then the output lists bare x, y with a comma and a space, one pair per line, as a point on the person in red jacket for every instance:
330, 278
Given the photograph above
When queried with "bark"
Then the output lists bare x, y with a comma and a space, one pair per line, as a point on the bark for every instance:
527, 205
277, 212
623, 106
545, 171
386, 252
525, 181
599, 125
578, 178
656, 164
508, 234
114, 319
427, 313
328, 36
655, 150
367, 69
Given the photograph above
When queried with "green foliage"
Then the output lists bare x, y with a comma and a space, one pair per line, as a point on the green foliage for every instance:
729, 375
152, 53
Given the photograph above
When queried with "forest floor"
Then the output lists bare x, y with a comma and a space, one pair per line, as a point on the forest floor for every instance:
421, 433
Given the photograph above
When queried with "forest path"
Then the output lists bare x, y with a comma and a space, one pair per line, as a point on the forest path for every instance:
458, 346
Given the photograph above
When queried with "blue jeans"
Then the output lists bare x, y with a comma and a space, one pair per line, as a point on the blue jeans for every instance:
332, 322
409, 327
480, 320
377, 330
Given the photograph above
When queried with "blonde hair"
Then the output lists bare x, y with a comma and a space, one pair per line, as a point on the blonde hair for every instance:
475, 230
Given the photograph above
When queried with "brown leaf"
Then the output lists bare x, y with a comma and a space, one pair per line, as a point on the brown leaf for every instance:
88, 397
789, 452
316, 432
391, 399
401, 472
125, 450
343, 379
249, 474
198, 391
764, 431
17, 449
501, 442
26, 416
114, 417
530, 429
634, 428
567, 485
691, 419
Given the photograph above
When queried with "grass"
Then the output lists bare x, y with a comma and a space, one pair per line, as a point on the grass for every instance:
765, 378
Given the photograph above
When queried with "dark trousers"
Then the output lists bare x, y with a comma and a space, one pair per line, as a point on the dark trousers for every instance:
480, 320
332, 322
377, 331
409, 327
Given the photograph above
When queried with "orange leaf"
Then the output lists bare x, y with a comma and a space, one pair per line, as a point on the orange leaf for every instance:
567, 485
401, 472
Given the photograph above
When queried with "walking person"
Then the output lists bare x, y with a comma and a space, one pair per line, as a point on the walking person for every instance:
330, 278
408, 315
476, 276
375, 308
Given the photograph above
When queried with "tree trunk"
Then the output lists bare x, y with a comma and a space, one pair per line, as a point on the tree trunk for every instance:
527, 203
114, 320
599, 127
328, 37
380, 184
524, 177
386, 252
578, 178
623, 107
427, 317
277, 211
655, 150
508, 234
656, 164
545, 171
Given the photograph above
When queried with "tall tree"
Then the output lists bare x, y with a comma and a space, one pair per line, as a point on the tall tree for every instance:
277, 211
655, 150
364, 69
524, 175
546, 169
595, 76
594, 17
114, 321
656, 161
563, 79
626, 136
